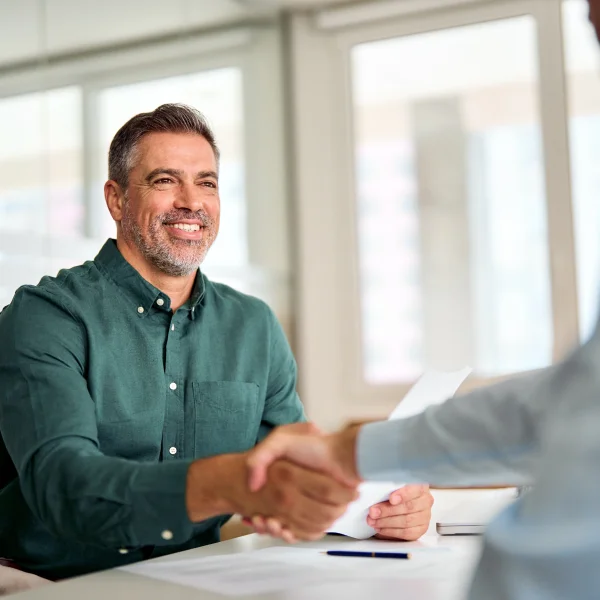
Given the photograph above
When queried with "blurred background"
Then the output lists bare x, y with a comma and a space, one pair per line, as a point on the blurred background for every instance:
408, 183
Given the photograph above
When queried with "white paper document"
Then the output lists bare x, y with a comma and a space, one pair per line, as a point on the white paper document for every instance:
233, 574
434, 387
283, 568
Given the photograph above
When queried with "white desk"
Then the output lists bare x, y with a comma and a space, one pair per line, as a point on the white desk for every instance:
447, 578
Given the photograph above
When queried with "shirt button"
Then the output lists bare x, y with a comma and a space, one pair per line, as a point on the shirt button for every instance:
172, 450
172, 327
140, 309
123, 551
166, 535
173, 385
160, 302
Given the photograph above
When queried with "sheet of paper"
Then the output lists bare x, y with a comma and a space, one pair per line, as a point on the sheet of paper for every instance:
360, 567
284, 568
354, 521
240, 574
434, 387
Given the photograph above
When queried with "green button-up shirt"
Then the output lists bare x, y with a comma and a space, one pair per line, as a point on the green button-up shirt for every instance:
107, 396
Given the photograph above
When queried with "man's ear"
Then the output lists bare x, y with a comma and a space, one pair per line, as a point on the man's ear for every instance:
114, 197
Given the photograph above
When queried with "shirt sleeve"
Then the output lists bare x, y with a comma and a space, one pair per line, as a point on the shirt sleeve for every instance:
282, 404
48, 423
543, 428
546, 545
490, 436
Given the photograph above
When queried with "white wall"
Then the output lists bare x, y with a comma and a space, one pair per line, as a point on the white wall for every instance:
30, 29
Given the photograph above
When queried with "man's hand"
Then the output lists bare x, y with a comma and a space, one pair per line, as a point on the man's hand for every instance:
303, 502
333, 455
405, 516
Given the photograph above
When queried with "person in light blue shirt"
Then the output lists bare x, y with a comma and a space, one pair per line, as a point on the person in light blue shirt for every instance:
541, 429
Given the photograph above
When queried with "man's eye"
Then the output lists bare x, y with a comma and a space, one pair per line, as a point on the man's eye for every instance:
164, 180
209, 184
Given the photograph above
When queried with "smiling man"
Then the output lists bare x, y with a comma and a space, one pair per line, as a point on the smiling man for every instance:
132, 387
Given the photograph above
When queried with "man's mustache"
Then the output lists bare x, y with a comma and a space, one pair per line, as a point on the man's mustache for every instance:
175, 217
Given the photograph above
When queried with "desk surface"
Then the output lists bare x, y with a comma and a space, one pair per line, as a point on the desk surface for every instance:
446, 577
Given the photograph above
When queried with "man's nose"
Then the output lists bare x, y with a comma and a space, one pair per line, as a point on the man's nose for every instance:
190, 196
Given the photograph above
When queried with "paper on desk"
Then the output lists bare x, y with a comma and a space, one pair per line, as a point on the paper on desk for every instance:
239, 574
277, 569
345, 568
434, 387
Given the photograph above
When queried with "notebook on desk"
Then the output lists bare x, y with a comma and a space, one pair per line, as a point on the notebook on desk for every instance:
460, 528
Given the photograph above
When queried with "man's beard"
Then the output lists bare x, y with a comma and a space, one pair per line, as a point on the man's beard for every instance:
172, 256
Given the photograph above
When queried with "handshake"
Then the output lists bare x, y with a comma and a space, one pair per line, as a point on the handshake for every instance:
300, 481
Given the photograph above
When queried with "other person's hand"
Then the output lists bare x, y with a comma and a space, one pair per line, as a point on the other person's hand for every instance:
303, 502
333, 455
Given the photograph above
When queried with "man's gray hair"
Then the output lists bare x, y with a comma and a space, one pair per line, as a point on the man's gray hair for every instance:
167, 118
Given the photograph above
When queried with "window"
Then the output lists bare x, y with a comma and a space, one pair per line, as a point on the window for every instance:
53, 164
218, 95
583, 80
41, 179
452, 227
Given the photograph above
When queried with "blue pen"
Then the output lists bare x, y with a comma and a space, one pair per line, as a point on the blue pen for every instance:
368, 554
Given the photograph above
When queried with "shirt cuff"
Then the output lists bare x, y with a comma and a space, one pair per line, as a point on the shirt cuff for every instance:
158, 504
377, 451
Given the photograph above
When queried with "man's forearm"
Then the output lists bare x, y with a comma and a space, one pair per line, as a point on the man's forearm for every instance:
214, 486
82, 495
488, 436
76, 496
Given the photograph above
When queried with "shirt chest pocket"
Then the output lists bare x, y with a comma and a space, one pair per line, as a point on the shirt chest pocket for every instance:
227, 416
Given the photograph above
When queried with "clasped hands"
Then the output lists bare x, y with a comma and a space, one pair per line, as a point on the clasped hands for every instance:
314, 478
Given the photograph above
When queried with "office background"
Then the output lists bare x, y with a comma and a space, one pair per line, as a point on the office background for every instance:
408, 183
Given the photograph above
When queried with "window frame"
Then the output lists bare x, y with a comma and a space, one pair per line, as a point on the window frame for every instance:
331, 36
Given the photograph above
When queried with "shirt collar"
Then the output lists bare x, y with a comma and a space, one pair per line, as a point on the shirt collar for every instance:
143, 294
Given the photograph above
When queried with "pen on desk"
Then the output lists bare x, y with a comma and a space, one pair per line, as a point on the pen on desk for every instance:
368, 554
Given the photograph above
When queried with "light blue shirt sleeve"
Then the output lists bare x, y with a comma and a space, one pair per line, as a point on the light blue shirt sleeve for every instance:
487, 437
548, 544
544, 429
